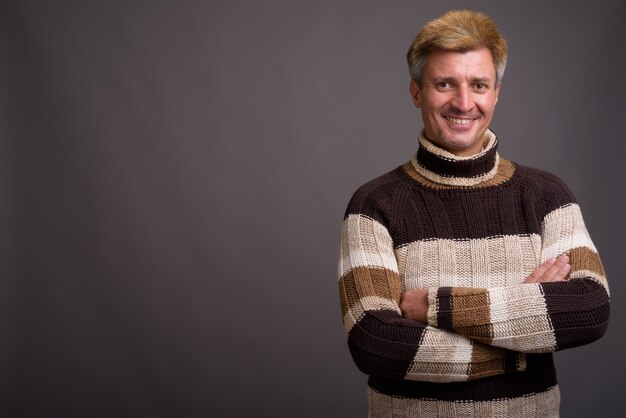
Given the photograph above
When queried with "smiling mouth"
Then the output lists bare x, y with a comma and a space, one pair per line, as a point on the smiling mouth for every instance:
458, 121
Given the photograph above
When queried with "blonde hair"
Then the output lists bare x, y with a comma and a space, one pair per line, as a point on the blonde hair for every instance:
458, 31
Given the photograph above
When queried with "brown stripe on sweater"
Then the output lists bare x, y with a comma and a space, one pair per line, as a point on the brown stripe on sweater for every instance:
480, 332
471, 307
361, 282
583, 258
483, 364
505, 172
471, 312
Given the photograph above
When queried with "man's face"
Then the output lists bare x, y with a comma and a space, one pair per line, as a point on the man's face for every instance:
457, 97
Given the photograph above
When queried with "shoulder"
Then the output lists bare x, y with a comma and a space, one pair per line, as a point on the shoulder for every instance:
550, 188
377, 195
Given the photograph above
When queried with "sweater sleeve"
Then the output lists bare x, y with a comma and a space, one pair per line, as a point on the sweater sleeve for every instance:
381, 341
538, 317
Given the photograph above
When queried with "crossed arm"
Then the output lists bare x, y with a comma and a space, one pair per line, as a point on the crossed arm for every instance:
455, 334
414, 303
382, 342
563, 303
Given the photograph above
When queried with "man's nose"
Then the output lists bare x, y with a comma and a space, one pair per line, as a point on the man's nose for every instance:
462, 100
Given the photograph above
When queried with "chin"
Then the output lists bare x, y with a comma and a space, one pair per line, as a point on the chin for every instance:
460, 143
456, 146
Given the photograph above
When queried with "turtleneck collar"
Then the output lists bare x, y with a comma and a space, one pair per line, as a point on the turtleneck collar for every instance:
443, 167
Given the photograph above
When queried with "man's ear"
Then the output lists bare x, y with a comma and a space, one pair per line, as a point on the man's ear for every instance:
414, 88
498, 92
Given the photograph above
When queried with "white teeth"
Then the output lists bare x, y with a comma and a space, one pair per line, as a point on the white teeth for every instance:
459, 121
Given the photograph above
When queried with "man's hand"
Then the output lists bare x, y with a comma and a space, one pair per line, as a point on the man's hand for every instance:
552, 270
414, 305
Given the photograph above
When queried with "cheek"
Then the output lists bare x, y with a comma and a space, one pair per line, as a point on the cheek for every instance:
487, 106
434, 107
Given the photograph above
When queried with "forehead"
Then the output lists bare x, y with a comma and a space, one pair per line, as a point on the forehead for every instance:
471, 64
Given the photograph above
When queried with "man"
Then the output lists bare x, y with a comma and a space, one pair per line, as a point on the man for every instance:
461, 272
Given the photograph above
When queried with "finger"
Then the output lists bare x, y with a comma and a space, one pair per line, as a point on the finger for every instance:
562, 273
549, 274
538, 273
556, 271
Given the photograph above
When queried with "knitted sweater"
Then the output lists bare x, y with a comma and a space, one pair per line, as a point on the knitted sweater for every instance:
470, 229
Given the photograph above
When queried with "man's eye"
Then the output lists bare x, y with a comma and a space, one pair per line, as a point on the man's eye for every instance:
443, 85
481, 86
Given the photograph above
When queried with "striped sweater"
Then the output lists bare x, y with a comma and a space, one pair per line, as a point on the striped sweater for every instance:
470, 229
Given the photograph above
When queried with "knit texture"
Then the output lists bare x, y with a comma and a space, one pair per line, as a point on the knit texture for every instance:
470, 229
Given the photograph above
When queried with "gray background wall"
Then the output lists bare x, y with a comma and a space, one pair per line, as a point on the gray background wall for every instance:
174, 175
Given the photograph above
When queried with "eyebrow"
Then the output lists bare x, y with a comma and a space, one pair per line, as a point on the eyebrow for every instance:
441, 79
452, 80
486, 80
